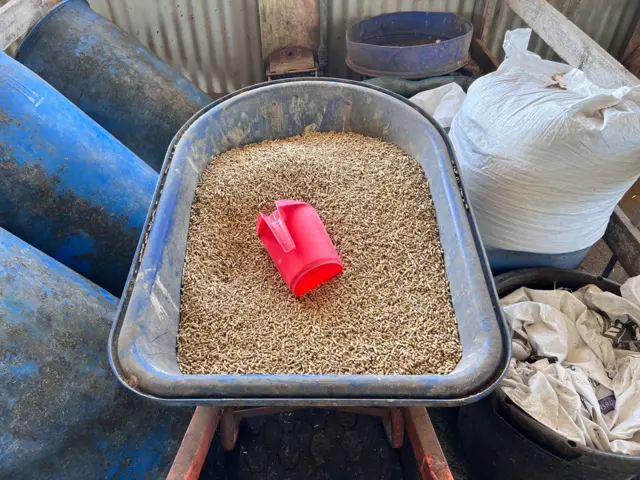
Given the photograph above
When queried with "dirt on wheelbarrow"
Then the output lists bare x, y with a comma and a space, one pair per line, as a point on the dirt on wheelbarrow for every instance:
389, 312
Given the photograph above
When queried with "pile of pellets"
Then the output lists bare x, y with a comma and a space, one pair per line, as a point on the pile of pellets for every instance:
389, 312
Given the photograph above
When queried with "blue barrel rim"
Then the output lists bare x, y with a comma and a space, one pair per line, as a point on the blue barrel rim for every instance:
131, 382
391, 48
37, 24
442, 70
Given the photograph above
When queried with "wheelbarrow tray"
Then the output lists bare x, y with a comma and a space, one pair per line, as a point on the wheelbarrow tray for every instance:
143, 338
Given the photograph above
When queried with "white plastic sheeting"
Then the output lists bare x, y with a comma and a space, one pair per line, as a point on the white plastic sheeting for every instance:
587, 388
441, 103
545, 154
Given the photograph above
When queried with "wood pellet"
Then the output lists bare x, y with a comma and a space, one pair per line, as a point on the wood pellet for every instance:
389, 312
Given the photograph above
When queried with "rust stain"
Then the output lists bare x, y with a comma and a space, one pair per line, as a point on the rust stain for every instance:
557, 79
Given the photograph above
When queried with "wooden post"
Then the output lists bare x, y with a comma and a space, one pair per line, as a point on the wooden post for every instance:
484, 16
431, 460
483, 56
489, 15
18, 16
631, 56
623, 238
288, 23
572, 44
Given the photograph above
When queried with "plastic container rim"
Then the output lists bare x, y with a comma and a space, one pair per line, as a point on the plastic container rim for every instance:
351, 30
501, 396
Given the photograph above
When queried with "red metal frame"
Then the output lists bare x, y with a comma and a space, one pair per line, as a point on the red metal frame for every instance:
188, 463
195, 444
426, 447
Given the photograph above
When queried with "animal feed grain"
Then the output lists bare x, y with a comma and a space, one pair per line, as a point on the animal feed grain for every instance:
389, 312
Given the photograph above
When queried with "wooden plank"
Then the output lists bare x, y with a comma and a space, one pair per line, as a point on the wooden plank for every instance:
18, 16
631, 56
432, 463
572, 44
195, 444
623, 238
483, 56
288, 23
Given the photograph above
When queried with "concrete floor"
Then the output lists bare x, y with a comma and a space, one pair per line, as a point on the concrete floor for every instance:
310, 444
322, 444
598, 258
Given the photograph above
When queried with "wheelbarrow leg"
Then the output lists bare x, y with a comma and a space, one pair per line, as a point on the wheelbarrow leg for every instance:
426, 447
229, 428
195, 444
394, 427
188, 463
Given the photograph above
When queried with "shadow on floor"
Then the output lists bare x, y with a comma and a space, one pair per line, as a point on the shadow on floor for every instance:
323, 444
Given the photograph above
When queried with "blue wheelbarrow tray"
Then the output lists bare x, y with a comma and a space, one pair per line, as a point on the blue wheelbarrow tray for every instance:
143, 338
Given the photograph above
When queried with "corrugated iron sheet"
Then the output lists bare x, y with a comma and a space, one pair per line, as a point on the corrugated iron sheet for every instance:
608, 22
214, 43
11, 49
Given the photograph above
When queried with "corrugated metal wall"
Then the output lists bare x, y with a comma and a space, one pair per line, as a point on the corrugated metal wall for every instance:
216, 43
608, 22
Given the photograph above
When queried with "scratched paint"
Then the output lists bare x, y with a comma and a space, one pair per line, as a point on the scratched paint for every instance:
66, 185
62, 413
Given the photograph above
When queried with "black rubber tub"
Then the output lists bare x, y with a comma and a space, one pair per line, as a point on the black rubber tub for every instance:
501, 441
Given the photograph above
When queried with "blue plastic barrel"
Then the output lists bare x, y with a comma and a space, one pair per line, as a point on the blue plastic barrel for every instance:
502, 261
112, 77
67, 186
62, 412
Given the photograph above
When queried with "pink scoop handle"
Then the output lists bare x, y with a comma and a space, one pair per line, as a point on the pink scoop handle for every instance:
299, 245
276, 224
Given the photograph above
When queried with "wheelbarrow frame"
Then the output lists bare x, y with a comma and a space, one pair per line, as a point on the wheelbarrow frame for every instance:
431, 461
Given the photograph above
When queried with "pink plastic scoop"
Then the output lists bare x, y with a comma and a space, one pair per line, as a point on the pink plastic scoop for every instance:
299, 245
